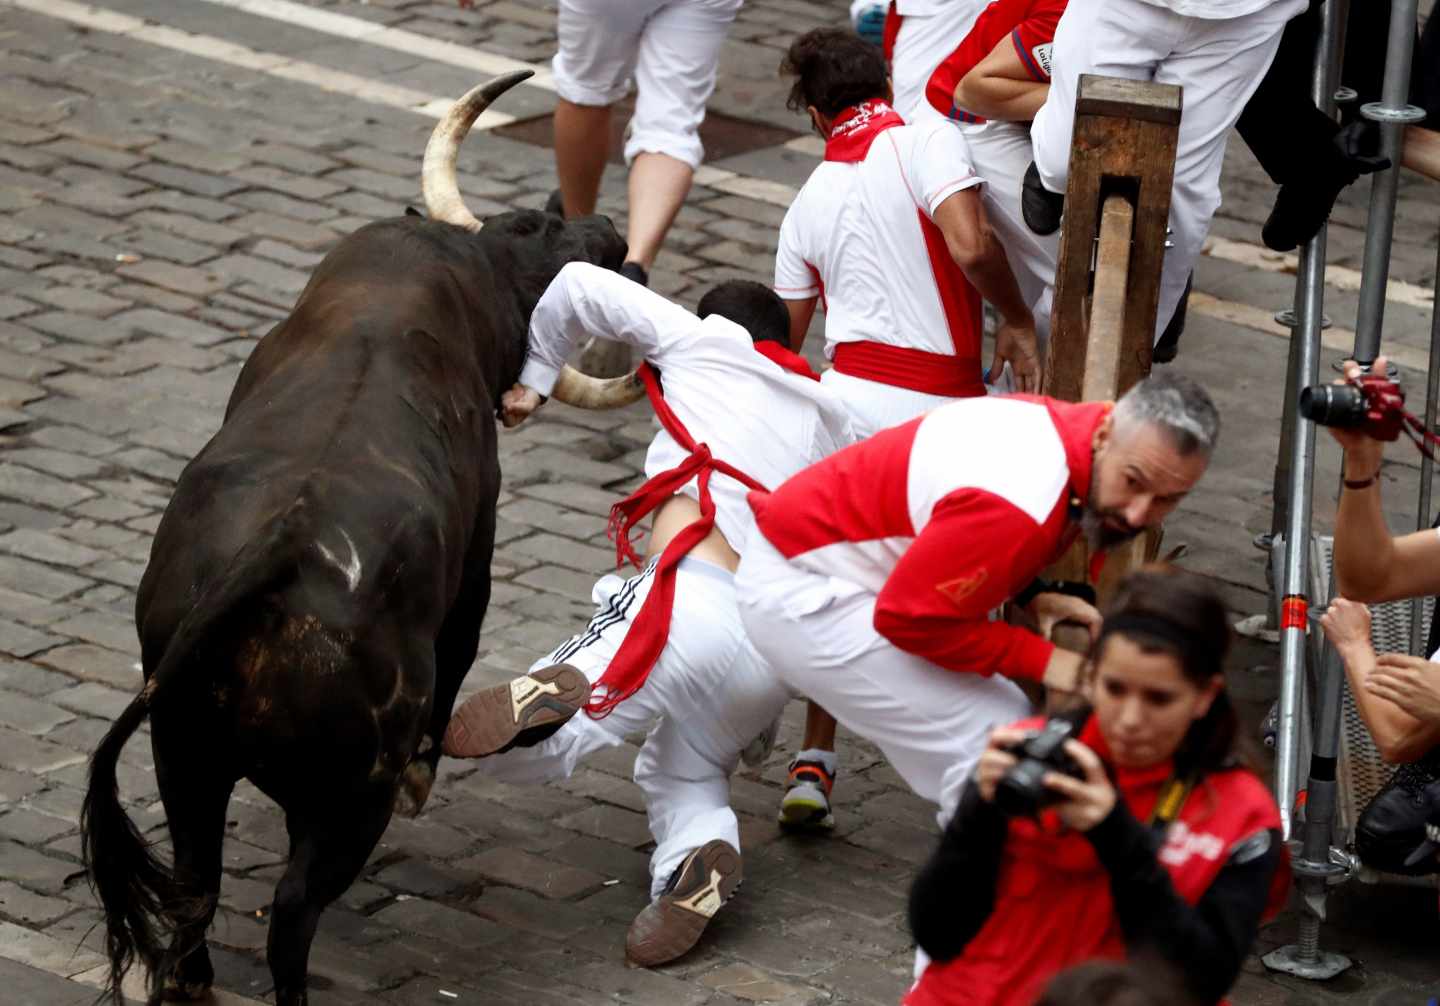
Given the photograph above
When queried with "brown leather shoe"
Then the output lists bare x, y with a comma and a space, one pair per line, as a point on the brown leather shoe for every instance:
671, 924
519, 714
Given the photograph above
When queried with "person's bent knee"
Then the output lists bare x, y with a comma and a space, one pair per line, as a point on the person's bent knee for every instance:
686, 149
588, 95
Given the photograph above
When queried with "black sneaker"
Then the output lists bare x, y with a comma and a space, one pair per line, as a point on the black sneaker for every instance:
636, 272
1303, 205
1040, 207
671, 925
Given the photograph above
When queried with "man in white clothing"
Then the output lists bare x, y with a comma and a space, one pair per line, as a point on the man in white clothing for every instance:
991, 86
1217, 50
736, 414
889, 233
672, 49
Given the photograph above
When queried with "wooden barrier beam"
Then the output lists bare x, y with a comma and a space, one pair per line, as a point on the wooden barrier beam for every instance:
1117, 203
1124, 144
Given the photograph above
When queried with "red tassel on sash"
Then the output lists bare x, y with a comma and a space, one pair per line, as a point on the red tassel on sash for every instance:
651, 626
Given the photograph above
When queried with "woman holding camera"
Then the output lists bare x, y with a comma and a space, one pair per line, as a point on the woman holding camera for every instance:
1397, 695
1159, 844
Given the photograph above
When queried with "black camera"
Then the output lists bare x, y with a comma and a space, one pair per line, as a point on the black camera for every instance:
1020, 791
1372, 404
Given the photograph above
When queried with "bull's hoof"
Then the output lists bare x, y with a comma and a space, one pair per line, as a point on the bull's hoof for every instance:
414, 789
179, 991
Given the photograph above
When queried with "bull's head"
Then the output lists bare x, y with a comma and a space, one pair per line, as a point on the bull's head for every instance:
541, 242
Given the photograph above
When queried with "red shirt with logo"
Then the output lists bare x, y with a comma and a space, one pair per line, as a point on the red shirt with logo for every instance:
1030, 24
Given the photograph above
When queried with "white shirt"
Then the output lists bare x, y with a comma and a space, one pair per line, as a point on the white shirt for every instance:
1212, 10
753, 414
854, 237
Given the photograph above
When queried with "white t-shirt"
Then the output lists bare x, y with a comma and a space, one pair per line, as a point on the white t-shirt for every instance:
861, 236
753, 413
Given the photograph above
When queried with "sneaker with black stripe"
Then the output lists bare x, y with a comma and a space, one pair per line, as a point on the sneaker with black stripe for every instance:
671, 925
520, 713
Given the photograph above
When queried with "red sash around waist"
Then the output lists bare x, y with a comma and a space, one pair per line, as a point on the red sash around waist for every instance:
915, 369
650, 628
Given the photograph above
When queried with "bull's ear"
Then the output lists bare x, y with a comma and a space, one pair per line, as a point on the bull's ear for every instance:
411, 211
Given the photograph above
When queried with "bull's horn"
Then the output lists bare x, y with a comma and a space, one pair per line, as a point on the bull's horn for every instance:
437, 176
586, 392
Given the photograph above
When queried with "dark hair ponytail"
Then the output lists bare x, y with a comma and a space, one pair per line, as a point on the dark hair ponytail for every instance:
833, 70
1162, 609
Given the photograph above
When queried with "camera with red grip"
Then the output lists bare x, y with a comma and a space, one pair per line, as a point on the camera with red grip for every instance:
1370, 404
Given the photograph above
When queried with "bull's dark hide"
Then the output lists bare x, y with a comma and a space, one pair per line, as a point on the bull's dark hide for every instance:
316, 586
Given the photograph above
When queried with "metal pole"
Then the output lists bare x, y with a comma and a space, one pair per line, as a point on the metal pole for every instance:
1427, 467
1392, 112
1305, 350
1315, 867
1329, 53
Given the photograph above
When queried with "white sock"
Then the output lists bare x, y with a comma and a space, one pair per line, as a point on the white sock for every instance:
829, 759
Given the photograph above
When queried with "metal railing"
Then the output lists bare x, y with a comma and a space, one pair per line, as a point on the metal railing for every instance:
1318, 863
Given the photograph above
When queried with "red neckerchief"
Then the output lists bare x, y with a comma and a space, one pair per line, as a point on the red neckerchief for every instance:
793, 362
855, 129
650, 628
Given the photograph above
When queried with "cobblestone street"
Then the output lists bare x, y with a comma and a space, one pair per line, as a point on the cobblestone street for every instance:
169, 174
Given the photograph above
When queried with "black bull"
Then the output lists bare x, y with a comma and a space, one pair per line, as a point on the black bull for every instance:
316, 587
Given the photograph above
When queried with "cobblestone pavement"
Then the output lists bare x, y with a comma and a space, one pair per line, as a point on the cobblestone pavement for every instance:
168, 175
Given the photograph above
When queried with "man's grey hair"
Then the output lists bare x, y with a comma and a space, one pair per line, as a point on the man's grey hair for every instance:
1175, 404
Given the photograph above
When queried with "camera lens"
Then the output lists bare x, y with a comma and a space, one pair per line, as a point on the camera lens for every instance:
1339, 405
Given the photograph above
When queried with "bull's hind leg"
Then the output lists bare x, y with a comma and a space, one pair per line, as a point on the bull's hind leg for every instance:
329, 844
195, 796
455, 649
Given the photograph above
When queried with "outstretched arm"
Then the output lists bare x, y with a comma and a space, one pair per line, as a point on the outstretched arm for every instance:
585, 300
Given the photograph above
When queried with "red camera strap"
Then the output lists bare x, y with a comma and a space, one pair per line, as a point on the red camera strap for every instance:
1419, 435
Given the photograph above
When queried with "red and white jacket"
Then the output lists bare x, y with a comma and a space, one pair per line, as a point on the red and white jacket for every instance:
944, 518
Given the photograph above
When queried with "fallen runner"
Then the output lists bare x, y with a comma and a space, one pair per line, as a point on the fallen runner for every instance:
702, 692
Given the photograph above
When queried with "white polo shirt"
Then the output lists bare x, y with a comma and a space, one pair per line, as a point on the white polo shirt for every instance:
861, 236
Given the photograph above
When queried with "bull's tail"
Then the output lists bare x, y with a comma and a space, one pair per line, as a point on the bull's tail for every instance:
135, 888
140, 894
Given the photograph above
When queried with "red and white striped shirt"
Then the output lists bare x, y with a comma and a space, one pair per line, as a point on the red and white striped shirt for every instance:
944, 518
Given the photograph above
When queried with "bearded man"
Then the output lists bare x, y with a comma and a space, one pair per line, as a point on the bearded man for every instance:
870, 581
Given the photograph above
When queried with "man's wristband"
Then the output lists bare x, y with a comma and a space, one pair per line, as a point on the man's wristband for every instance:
1361, 483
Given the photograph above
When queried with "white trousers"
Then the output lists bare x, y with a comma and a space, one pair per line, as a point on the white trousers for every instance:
1000, 153
818, 633
707, 697
1219, 63
923, 41
670, 47
874, 406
